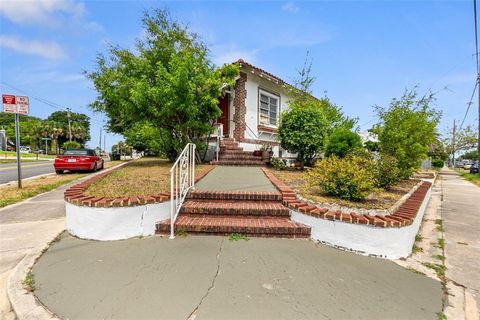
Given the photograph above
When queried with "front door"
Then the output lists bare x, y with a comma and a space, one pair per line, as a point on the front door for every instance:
223, 119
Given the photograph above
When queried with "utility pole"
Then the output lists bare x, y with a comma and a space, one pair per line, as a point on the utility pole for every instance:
100, 145
453, 144
104, 143
478, 75
69, 125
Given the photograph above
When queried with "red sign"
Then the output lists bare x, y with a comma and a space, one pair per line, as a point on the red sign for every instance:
15, 104
9, 104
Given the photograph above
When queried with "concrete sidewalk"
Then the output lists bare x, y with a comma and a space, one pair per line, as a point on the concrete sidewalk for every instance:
23, 227
461, 220
227, 178
210, 277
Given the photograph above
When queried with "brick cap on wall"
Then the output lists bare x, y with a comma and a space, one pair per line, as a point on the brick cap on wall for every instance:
76, 194
403, 216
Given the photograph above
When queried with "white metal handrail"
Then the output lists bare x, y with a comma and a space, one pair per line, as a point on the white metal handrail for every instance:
182, 179
219, 134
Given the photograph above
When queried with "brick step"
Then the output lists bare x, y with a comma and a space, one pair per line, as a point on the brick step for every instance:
229, 147
240, 157
237, 163
261, 227
235, 195
236, 152
232, 207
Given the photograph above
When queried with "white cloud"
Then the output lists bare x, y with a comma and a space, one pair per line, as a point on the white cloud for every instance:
290, 7
45, 49
230, 53
46, 12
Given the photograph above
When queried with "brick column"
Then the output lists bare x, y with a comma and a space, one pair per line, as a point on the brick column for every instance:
240, 109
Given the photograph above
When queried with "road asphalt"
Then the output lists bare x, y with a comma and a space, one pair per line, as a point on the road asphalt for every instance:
8, 171
461, 221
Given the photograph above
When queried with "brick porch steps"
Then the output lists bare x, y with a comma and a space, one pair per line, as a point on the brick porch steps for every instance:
236, 208
238, 162
231, 154
225, 225
234, 195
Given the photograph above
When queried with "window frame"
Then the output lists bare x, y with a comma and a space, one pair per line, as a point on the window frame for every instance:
269, 94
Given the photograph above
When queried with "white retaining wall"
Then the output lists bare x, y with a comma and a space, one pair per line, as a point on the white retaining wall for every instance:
115, 223
390, 243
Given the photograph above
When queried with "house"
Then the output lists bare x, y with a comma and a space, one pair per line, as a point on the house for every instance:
251, 109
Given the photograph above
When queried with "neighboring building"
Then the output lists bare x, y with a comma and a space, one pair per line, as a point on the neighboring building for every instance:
251, 109
3, 140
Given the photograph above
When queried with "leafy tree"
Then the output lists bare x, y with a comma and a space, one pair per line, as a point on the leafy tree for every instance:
168, 80
302, 130
471, 155
144, 136
71, 145
438, 151
371, 146
79, 121
342, 141
407, 128
388, 173
465, 139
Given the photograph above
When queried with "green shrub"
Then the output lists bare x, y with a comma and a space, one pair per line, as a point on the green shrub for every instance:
278, 163
437, 163
388, 173
341, 142
71, 145
352, 177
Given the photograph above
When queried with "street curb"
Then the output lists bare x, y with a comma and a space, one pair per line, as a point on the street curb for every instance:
25, 304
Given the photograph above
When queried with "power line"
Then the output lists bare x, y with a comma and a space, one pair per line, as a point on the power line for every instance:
469, 104
49, 103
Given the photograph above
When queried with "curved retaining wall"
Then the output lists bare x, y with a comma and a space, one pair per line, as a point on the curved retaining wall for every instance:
101, 218
389, 236
99, 223
390, 243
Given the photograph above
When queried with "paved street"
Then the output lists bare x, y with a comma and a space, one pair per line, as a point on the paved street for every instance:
461, 215
211, 277
8, 171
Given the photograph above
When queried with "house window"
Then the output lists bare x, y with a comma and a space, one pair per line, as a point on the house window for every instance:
269, 107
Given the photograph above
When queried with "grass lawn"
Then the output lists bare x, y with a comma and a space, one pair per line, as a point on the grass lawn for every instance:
377, 200
144, 176
11, 194
472, 177
11, 154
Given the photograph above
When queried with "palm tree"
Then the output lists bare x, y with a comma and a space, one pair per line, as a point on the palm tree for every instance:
57, 131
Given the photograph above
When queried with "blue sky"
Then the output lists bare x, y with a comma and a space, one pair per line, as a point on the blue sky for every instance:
364, 52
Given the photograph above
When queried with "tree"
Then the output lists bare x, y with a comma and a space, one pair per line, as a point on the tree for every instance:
302, 130
342, 141
438, 151
407, 128
168, 80
471, 155
465, 139
59, 120
143, 136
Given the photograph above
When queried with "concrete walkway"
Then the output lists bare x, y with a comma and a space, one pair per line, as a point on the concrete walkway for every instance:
461, 219
210, 277
236, 179
22, 228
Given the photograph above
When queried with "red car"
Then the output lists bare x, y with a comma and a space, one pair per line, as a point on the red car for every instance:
78, 160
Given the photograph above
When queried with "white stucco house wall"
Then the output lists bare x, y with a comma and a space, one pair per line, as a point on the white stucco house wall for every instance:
251, 109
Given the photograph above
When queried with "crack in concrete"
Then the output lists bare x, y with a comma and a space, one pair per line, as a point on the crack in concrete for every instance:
193, 314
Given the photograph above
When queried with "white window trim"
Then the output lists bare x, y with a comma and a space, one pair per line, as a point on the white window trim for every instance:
270, 95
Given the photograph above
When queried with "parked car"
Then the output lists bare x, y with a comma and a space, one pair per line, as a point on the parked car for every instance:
474, 168
25, 149
78, 160
467, 166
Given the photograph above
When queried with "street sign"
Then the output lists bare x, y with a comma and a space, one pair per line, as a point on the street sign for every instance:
22, 105
15, 104
9, 104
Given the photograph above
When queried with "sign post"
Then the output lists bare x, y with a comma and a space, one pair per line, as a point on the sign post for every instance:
16, 105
